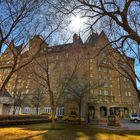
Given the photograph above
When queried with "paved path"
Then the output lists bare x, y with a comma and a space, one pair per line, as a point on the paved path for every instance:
125, 125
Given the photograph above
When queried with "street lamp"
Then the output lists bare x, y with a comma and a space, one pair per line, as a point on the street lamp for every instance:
88, 119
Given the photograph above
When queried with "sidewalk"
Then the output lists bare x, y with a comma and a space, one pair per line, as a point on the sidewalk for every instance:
124, 125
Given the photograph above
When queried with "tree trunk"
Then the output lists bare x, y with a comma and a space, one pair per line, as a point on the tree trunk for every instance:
80, 108
14, 110
17, 108
36, 110
37, 107
2, 88
53, 118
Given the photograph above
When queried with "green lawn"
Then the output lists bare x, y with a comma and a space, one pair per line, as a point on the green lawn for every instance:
65, 132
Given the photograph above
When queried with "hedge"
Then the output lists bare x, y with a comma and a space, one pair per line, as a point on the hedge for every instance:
8, 120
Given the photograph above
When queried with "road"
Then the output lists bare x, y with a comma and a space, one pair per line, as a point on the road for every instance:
130, 125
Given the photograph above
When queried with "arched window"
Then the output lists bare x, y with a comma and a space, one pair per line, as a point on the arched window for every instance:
103, 111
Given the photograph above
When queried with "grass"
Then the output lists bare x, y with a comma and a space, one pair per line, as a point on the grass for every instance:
64, 132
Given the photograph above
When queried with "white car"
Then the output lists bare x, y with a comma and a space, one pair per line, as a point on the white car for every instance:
134, 117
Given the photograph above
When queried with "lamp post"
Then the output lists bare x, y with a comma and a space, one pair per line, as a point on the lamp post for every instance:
88, 119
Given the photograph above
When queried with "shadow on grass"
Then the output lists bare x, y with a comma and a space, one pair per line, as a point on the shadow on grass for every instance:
30, 137
73, 132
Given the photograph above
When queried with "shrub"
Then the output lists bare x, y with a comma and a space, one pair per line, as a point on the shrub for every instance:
6, 120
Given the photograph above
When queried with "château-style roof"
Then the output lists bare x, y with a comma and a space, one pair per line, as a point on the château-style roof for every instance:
77, 39
92, 38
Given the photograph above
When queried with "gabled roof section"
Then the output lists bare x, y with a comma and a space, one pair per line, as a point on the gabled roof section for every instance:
102, 34
92, 39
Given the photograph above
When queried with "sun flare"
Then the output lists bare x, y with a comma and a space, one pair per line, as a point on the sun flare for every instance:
77, 23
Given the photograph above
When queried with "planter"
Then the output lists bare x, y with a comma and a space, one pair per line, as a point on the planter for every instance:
113, 121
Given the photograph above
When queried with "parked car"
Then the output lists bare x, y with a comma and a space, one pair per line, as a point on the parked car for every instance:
65, 117
70, 118
50, 117
45, 113
134, 117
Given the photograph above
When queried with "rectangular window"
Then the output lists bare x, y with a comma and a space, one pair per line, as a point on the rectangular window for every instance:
134, 110
91, 68
50, 49
105, 92
101, 99
127, 79
105, 77
118, 86
67, 55
27, 109
106, 85
100, 92
91, 83
119, 93
27, 91
129, 93
100, 76
99, 69
126, 93
57, 57
109, 70
91, 91
105, 70
91, 75
124, 79
128, 86
60, 111
47, 109
91, 60
104, 62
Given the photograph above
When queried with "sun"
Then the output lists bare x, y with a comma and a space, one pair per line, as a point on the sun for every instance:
77, 23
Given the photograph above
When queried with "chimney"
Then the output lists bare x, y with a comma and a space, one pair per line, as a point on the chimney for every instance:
77, 41
75, 38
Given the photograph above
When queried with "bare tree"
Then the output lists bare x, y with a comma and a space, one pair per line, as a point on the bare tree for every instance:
17, 62
119, 20
20, 24
123, 14
18, 99
55, 71
124, 65
78, 89
38, 98
13, 22
15, 15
